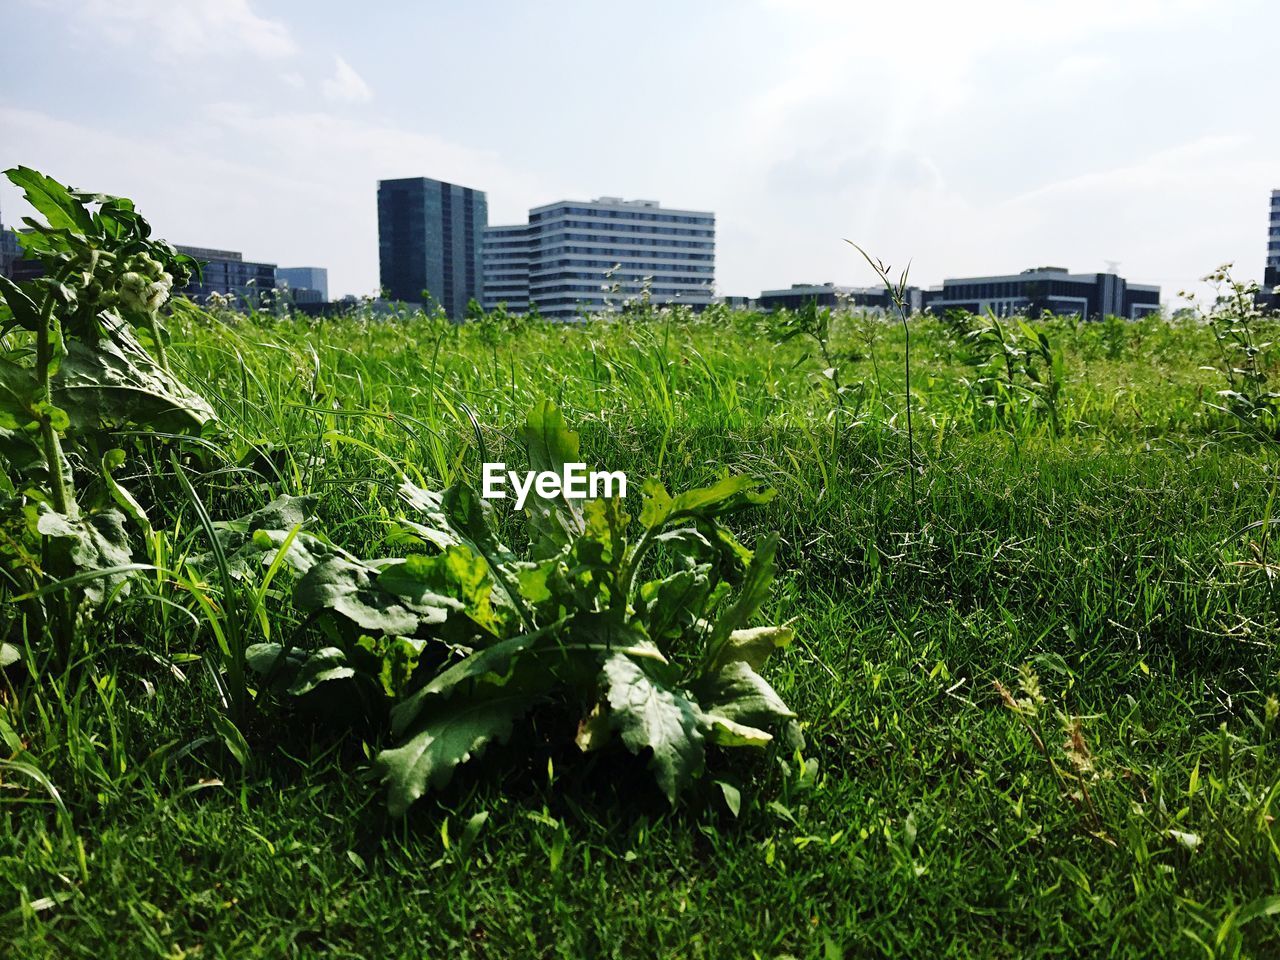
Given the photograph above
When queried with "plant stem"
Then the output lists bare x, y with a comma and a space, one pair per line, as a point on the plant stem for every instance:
63, 497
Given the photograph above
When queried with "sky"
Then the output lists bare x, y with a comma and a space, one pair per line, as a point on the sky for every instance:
971, 138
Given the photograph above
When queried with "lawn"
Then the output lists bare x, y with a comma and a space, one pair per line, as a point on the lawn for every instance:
1032, 670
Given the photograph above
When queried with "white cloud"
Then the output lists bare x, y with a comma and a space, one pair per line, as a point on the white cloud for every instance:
175, 30
346, 86
241, 178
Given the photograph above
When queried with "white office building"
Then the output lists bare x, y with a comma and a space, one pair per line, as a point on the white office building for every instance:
505, 253
584, 257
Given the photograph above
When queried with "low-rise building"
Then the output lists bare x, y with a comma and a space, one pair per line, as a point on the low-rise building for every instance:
1042, 290
800, 295
228, 273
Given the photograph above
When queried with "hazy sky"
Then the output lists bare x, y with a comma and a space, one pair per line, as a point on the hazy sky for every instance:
969, 137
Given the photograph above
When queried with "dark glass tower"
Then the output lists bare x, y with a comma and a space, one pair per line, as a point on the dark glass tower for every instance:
429, 242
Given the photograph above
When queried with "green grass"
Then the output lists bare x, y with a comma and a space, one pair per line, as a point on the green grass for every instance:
1115, 556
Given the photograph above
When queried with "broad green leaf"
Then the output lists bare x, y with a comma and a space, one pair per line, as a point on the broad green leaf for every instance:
732, 796
323, 665
456, 579
349, 589
251, 541
725, 495
125, 500
729, 733
671, 606
662, 719
753, 591
740, 694
550, 445
434, 526
115, 381
603, 539
18, 392
491, 665
24, 309
656, 505
752, 646
469, 521
52, 200
459, 730
91, 542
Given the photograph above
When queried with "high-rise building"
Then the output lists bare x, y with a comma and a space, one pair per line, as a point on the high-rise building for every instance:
506, 266
308, 284
429, 236
588, 256
1046, 290
1273, 234
228, 273
1269, 296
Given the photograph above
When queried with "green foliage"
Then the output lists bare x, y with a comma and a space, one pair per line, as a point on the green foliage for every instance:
479, 637
155, 803
1241, 330
1018, 376
74, 370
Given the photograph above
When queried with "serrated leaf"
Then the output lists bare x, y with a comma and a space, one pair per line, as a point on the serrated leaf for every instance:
457, 579
649, 715
52, 200
461, 730
115, 381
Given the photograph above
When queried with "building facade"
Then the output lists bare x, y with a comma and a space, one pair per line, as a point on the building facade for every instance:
305, 284
429, 242
506, 252
1043, 290
1273, 234
10, 252
228, 273
1269, 297
590, 256
800, 295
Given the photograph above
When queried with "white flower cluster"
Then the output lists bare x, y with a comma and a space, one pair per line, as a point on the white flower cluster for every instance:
144, 286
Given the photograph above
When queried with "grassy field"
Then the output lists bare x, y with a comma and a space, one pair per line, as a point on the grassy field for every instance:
1033, 672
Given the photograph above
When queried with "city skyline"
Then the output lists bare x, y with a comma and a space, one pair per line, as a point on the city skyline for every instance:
979, 140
